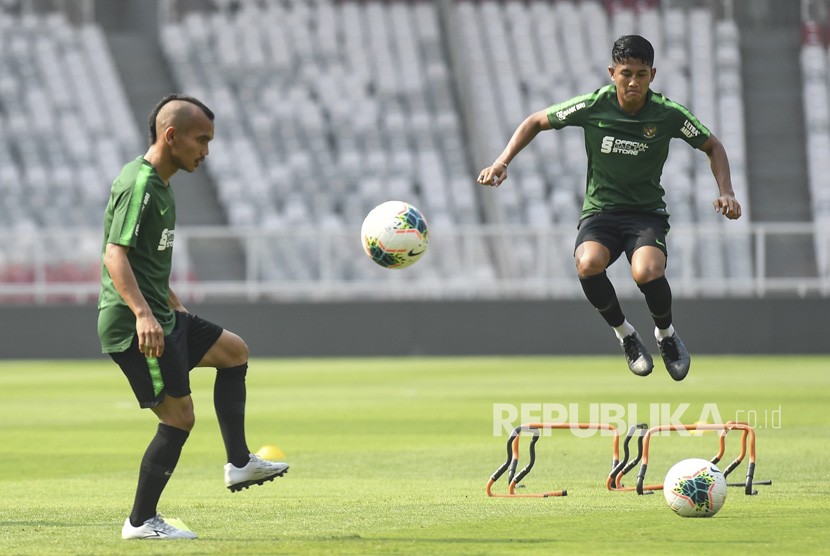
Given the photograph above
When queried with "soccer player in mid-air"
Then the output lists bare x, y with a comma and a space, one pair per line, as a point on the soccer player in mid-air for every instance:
143, 326
627, 129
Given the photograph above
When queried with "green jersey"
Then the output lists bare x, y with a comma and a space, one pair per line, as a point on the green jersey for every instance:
141, 215
626, 153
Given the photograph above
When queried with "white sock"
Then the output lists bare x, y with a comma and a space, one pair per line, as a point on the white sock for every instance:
623, 330
661, 333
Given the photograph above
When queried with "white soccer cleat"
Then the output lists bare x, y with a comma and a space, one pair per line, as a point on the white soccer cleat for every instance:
154, 528
255, 472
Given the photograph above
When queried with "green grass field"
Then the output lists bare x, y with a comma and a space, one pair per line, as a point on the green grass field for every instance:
392, 456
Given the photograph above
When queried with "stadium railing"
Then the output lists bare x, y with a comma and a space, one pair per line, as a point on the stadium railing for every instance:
62, 266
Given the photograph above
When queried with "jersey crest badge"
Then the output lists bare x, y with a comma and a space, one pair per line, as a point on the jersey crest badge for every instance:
649, 131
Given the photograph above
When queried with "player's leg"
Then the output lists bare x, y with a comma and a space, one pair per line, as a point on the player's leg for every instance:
592, 258
162, 385
176, 420
648, 264
597, 248
229, 355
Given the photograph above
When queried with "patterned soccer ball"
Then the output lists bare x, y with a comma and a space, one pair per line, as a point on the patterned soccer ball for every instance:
394, 234
695, 488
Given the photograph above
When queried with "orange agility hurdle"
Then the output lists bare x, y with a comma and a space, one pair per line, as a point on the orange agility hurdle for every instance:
747, 444
622, 466
513, 457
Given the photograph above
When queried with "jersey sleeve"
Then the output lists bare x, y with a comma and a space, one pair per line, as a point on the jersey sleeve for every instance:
687, 127
571, 112
128, 208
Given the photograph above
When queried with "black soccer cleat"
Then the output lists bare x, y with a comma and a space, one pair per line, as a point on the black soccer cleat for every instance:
636, 355
675, 357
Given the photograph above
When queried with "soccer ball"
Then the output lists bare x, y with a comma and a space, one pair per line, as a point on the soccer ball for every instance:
695, 488
394, 234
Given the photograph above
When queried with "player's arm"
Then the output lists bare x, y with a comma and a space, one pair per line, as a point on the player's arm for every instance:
150, 334
496, 173
726, 203
174, 302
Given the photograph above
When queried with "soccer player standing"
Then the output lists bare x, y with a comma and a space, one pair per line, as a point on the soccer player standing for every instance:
143, 326
627, 129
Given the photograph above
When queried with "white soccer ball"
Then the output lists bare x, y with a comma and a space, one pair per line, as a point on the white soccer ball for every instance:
394, 234
695, 488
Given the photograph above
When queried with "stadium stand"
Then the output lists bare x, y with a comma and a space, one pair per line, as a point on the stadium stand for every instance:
816, 95
329, 107
57, 140
338, 106
337, 126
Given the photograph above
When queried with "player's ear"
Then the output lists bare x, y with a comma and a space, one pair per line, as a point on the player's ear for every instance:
653, 73
611, 72
169, 133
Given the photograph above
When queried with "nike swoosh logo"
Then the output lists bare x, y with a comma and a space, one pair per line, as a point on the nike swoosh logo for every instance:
164, 210
603, 124
660, 243
413, 253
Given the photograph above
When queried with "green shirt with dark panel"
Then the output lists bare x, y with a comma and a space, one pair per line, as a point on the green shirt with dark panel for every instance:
141, 215
626, 153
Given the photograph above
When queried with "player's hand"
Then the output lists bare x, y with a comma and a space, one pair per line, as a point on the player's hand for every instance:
493, 175
150, 336
728, 206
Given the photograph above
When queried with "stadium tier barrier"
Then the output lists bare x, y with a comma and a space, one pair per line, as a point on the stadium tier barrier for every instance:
63, 265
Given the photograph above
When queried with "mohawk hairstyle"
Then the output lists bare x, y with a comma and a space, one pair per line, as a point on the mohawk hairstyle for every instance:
169, 98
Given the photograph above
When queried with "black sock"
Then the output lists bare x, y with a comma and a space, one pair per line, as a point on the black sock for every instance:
600, 292
157, 465
658, 299
229, 401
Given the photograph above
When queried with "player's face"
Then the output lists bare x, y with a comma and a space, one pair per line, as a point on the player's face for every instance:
190, 144
633, 79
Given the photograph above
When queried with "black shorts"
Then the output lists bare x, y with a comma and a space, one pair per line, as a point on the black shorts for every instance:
151, 378
624, 231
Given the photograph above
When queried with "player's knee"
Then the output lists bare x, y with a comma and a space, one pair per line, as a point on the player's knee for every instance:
647, 264
185, 418
589, 266
177, 412
646, 273
185, 422
239, 351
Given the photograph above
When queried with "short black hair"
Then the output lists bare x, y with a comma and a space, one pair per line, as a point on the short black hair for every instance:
169, 98
632, 47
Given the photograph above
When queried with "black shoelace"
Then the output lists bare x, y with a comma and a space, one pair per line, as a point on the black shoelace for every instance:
669, 348
632, 350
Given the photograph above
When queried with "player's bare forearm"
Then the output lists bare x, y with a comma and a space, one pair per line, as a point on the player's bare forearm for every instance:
496, 173
726, 203
524, 134
150, 333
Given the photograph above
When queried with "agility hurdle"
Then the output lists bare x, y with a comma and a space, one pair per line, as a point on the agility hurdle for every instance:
747, 444
512, 461
620, 467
